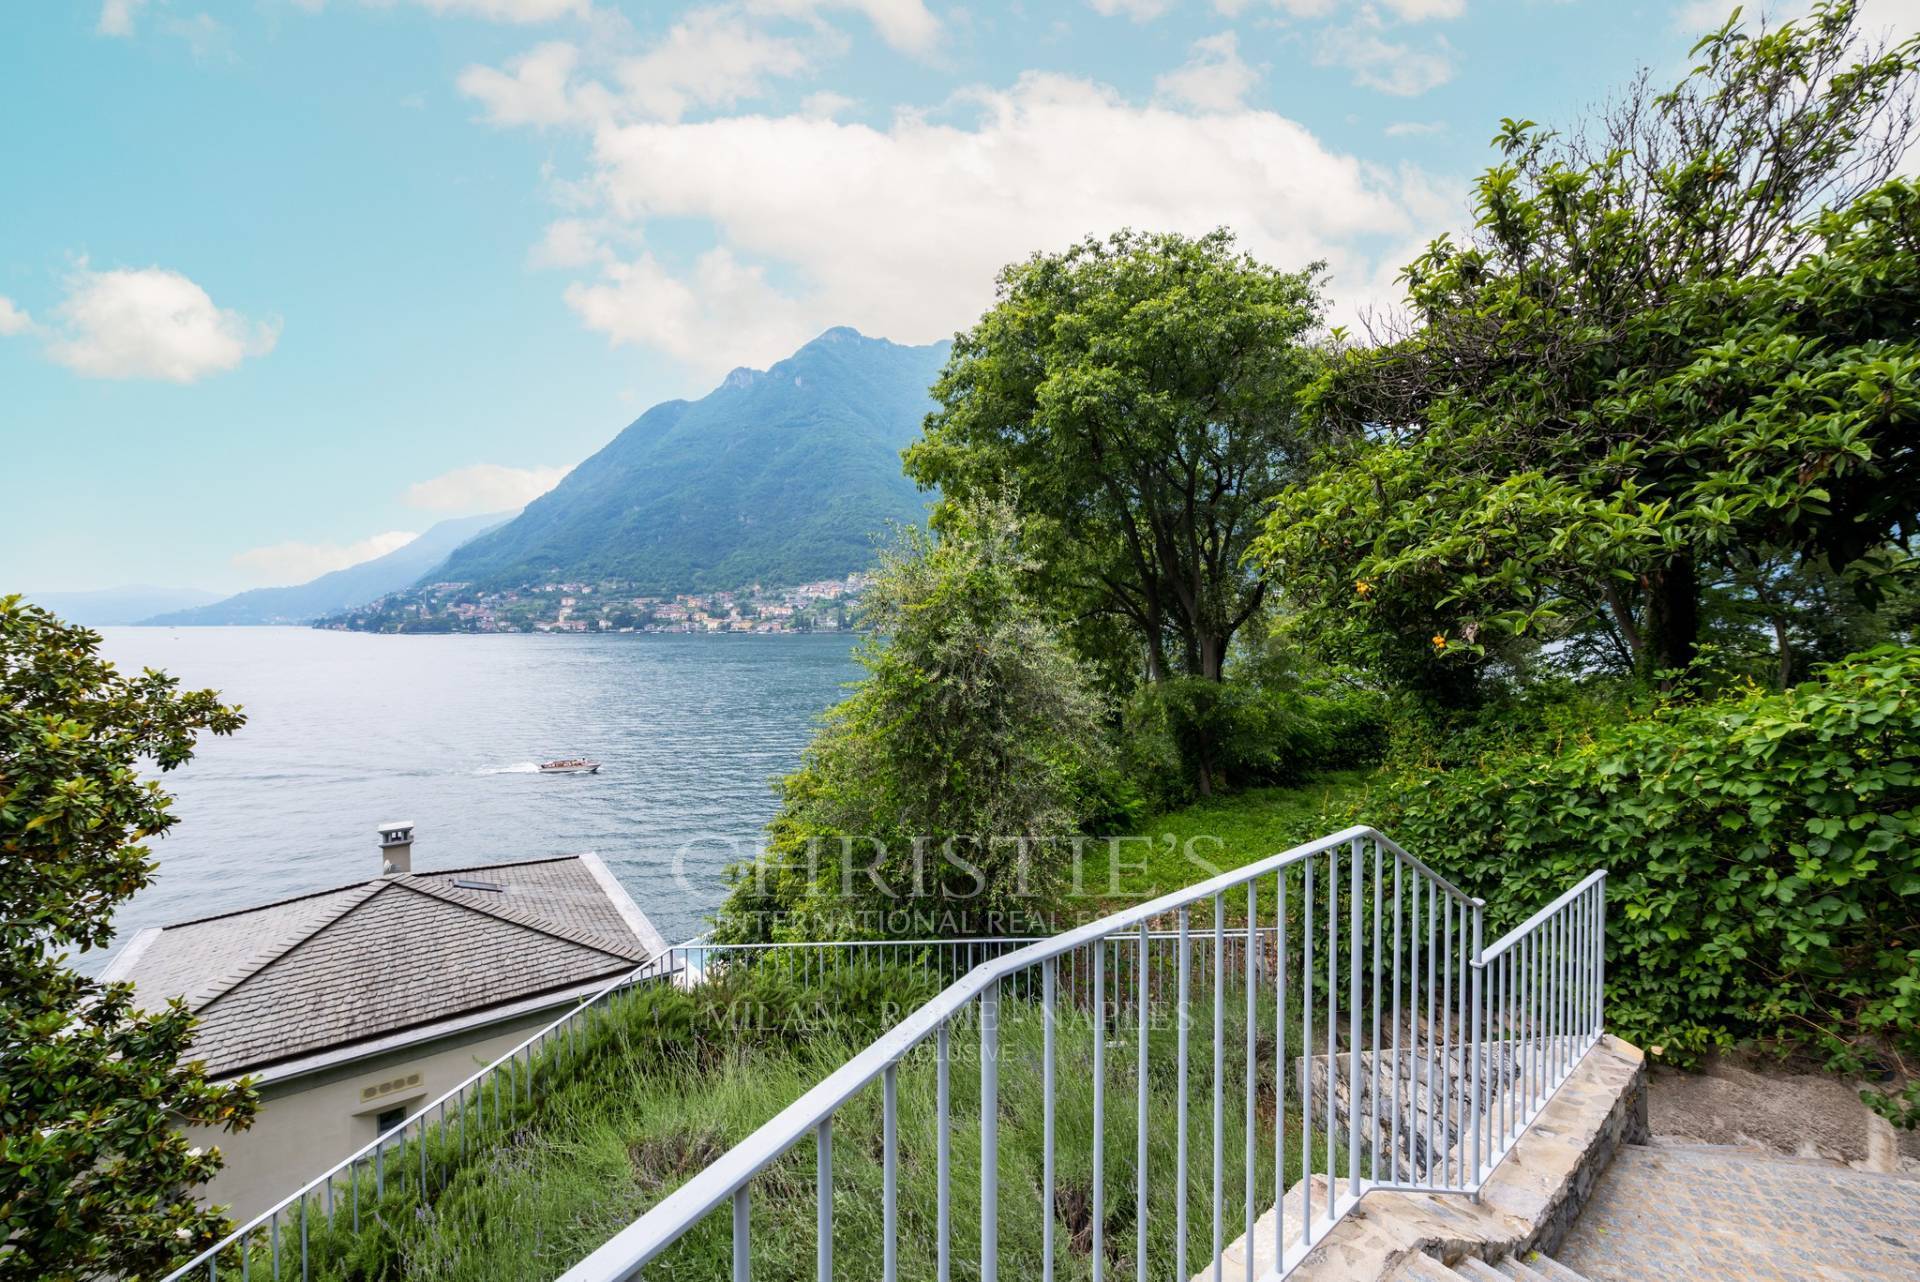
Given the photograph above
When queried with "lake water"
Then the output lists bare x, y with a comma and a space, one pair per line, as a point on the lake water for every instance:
346, 730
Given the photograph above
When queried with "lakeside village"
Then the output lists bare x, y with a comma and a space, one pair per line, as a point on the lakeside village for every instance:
828, 605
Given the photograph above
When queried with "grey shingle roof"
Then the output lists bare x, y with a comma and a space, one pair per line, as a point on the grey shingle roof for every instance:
328, 970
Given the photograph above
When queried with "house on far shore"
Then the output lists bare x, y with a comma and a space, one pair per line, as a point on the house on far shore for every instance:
351, 1008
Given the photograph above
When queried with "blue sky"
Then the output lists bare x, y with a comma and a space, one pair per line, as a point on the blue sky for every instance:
283, 280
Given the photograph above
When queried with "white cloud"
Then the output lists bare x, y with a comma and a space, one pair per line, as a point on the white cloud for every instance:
907, 25
535, 89
13, 319
1138, 10
294, 562
1214, 79
1364, 48
116, 17
1422, 10
483, 487
899, 229
1416, 128
711, 59
570, 242
517, 11
721, 314
1405, 10
151, 323
825, 104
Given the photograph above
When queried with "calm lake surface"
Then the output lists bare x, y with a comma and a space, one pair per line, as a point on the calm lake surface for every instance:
346, 730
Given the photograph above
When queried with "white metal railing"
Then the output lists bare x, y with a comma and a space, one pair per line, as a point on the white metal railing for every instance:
1440, 1056
422, 1151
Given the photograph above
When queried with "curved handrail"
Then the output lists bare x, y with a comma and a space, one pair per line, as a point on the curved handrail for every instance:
1527, 927
623, 1255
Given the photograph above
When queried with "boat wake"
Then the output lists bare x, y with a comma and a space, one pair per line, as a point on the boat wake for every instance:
517, 768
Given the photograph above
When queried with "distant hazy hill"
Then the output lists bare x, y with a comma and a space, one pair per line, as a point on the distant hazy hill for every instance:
778, 477
342, 589
110, 606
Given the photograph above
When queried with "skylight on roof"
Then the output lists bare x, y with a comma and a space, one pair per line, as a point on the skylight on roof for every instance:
470, 883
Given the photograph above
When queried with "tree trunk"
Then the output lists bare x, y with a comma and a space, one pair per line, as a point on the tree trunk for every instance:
1623, 621
1672, 634
1785, 646
1213, 656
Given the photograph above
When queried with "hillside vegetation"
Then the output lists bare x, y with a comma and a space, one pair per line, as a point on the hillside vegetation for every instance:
781, 476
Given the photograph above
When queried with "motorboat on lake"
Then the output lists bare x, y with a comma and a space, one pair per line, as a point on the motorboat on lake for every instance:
570, 766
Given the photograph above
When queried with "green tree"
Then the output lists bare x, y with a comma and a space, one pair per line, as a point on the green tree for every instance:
951, 780
1137, 399
1673, 351
96, 1177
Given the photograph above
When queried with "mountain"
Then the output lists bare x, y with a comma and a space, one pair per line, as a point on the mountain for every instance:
110, 606
780, 476
342, 589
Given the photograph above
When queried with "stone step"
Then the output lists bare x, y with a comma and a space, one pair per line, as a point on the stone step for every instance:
1553, 1270
1532, 1268
1422, 1268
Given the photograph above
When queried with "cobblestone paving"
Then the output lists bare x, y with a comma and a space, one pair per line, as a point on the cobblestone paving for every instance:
1677, 1213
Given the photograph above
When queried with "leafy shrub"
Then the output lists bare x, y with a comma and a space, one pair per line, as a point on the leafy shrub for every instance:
1349, 728
1238, 734
1764, 874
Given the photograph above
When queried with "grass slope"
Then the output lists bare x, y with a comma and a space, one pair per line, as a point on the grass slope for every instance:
668, 1080
1181, 847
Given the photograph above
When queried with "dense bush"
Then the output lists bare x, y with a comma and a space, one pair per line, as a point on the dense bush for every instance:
1764, 874
1189, 731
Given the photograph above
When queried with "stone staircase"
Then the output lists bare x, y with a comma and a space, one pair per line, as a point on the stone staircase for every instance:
1534, 1268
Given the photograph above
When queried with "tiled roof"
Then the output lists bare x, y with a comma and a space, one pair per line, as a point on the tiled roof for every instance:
344, 966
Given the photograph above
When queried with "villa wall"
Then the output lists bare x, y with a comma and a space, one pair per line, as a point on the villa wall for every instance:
308, 1123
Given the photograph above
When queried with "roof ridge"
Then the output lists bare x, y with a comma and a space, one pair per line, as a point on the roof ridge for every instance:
368, 881
526, 921
273, 952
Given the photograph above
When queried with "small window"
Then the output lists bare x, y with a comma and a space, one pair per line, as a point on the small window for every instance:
388, 1119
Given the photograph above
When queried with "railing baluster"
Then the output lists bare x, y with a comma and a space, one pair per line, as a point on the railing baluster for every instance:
1451, 1074
1373, 1037
1049, 981
1479, 1002
1415, 1170
1393, 1161
990, 1132
1252, 972
1099, 1110
823, 1201
1354, 1018
1279, 1076
742, 1251
1180, 1103
890, 1174
1219, 1080
1140, 1122
943, 1105
1333, 989
1308, 929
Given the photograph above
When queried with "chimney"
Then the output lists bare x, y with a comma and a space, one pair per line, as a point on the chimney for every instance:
396, 847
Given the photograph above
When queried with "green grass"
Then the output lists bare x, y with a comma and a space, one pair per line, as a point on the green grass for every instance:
1181, 847
668, 1080
649, 1100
